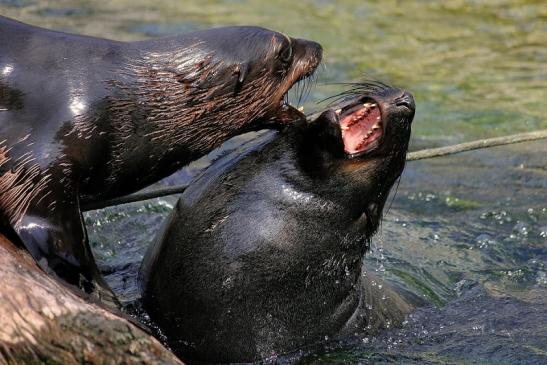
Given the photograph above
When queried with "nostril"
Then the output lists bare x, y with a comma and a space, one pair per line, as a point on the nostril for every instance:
405, 104
406, 100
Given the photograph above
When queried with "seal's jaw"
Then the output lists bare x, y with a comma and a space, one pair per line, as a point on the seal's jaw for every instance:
285, 113
298, 68
362, 128
288, 114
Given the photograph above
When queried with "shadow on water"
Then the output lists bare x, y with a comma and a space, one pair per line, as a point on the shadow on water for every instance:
468, 233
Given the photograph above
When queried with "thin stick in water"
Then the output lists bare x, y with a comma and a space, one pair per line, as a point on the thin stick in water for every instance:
474, 145
412, 156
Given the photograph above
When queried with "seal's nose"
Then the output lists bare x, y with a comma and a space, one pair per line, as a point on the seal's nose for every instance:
406, 100
312, 51
315, 49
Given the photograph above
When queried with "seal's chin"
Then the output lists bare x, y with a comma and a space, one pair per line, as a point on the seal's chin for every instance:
286, 113
279, 117
362, 128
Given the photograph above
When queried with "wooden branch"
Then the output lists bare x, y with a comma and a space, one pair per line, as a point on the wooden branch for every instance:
474, 145
43, 322
135, 197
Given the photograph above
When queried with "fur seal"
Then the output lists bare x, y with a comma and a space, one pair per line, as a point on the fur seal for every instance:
263, 254
84, 119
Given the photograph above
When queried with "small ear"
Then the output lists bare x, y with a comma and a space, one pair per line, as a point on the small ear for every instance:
326, 132
242, 70
320, 145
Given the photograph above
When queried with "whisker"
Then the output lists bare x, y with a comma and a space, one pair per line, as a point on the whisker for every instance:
307, 89
323, 66
301, 85
361, 88
394, 195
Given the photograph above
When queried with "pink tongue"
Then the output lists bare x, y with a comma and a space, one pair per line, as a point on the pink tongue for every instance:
357, 132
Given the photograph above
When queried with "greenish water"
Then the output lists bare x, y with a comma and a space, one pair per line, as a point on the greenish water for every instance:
468, 233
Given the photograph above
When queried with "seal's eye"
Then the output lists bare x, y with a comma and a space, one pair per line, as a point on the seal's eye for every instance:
285, 55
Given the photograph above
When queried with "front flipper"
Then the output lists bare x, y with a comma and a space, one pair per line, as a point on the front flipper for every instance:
55, 235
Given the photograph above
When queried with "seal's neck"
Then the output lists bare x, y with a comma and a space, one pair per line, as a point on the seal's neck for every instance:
170, 111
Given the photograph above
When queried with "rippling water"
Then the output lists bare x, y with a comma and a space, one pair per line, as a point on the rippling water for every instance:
468, 233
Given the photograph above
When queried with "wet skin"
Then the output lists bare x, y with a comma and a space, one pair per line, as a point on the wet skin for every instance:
263, 253
84, 119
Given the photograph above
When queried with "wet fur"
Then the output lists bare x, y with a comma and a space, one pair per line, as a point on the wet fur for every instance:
84, 119
263, 254
20, 185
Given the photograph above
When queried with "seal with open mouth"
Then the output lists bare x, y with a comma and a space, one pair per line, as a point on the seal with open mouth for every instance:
84, 119
263, 253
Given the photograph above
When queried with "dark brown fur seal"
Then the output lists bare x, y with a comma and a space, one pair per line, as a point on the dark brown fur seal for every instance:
263, 254
84, 119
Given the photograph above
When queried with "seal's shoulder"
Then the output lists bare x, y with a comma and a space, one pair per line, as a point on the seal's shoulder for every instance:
228, 157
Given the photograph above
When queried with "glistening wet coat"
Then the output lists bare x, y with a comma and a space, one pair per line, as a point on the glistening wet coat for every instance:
83, 119
263, 253
477, 217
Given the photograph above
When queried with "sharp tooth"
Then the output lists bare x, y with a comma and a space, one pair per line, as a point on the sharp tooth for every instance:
338, 111
344, 128
378, 118
375, 127
301, 109
373, 105
367, 105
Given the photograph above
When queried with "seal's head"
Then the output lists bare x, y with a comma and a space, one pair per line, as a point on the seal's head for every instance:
221, 82
259, 63
380, 113
362, 142
263, 254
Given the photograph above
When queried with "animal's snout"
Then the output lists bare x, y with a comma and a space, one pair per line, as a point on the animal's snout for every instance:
406, 100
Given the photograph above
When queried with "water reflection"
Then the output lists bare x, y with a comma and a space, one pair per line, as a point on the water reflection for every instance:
7, 70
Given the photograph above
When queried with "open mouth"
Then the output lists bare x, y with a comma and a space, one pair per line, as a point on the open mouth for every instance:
362, 127
289, 113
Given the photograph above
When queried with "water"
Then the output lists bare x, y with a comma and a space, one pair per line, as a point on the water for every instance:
468, 233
